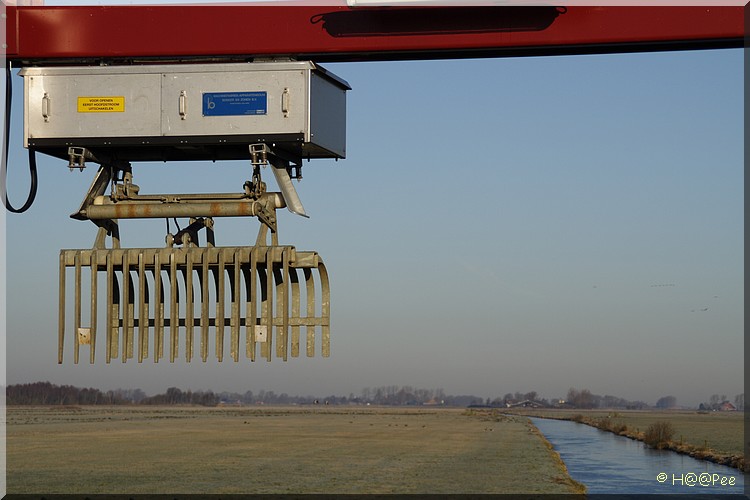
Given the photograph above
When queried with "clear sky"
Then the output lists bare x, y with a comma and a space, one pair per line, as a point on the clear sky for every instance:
499, 225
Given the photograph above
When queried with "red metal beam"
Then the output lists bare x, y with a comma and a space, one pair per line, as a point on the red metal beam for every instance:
340, 33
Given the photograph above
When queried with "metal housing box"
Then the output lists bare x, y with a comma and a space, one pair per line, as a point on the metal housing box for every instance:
186, 111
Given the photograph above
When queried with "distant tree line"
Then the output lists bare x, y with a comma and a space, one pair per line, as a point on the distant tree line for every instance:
46, 393
391, 395
584, 398
175, 396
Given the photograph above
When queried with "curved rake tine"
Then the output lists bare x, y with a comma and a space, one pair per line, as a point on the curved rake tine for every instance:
77, 317
114, 328
310, 319
158, 310
218, 273
128, 307
174, 311
131, 315
110, 274
189, 307
295, 320
204, 306
249, 273
94, 281
143, 315
325, 309
61, 309
262, 317
125, 299
253, 304
234, 284
267, 306
282, 312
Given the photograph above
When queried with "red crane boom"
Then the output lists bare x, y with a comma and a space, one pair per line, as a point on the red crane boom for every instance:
336, 32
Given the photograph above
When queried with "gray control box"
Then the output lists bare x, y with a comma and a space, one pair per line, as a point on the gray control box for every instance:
186, 111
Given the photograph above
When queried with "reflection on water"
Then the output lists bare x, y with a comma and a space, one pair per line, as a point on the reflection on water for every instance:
607, 463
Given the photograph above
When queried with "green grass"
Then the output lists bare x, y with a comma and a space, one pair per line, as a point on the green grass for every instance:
276, 450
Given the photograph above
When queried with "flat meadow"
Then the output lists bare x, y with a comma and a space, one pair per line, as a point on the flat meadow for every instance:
298, 449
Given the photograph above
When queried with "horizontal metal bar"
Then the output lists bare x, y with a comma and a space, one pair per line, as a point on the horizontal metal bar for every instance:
155, 210
104, 208
227, 322
298, 259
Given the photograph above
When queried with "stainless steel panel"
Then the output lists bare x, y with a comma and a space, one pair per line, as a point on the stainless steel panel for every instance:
193, 86
157, 112
59, 97
327, 115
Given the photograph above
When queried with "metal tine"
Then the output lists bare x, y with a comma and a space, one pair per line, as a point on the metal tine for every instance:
282, 307
263, 306
94, 281
126, 314
325, 309
266, 278
126, 299
295, 319
285, 258
108, 327
110, 294
310, 295
77, 317
250, 274
143, 315
158, 310
61, 309
204, 307
189, 308
219, 312
253, 298
235, 295
115, 309
130, 303
174, 311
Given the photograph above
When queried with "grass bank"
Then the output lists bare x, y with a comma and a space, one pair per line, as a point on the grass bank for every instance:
290, 450
712, 436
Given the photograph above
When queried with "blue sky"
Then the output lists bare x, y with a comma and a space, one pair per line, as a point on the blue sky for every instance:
499, 225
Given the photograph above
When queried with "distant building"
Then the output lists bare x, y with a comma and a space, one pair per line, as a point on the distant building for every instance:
727, 406
525, 404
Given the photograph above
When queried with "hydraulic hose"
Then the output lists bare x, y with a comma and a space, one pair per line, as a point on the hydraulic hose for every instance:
4, 160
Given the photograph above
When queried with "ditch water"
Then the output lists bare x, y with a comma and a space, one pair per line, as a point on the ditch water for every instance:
607, 463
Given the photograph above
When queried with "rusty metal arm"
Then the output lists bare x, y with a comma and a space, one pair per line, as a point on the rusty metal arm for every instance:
208, 205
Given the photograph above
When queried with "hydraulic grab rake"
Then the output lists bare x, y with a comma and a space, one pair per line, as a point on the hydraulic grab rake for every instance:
186, 298
169, 294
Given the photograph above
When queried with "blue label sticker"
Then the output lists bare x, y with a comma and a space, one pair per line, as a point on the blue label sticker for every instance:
234, 103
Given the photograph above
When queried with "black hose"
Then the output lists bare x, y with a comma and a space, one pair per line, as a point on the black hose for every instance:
4, 161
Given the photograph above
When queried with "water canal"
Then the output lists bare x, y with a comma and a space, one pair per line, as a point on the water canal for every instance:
607, 463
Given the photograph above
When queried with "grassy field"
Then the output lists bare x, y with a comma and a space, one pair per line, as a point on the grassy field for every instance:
277, 450
719, 433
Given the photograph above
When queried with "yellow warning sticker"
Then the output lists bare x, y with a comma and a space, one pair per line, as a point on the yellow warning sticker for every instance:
110, 104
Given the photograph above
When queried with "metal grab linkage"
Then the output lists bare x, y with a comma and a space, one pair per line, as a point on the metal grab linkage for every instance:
181, 289
260, 283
